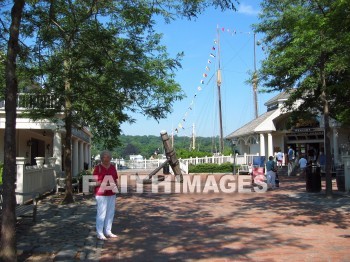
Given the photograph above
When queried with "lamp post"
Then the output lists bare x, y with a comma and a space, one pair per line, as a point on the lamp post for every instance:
233, 144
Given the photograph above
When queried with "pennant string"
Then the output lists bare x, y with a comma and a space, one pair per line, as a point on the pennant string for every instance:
232, 32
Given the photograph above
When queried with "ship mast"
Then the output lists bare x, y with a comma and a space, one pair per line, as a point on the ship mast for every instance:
255, 82
218, 82
193, 138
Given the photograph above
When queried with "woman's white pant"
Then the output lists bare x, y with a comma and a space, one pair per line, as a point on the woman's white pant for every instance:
105, 214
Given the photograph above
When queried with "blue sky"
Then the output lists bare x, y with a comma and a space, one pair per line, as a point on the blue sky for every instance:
196, 38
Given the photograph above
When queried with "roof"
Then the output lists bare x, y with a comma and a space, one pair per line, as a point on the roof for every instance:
283, 96
250, 127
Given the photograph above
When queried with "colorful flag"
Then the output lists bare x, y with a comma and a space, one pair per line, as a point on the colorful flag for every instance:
202, 81
213, 48
207, 68
199, 88
209, 62
212, 55
204, 75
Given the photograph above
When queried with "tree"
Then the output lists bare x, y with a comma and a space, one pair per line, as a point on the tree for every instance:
307, 57
8, 221
103, 60
100, 59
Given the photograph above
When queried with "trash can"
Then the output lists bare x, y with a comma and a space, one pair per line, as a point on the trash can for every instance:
340, 178
166, 169
313, 179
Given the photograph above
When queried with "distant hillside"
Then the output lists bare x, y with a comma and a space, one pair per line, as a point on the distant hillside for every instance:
148, 145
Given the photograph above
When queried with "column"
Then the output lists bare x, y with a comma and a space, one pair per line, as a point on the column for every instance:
75, 157
81, 156
87, 158
336, 147
20, 162
269, 145
89, 155
346, 161
262, 145
57, 149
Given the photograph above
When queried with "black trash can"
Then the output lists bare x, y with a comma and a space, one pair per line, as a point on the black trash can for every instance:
313, 179
340, 178
166, 169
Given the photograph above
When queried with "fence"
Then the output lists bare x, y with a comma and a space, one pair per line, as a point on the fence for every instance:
153, 164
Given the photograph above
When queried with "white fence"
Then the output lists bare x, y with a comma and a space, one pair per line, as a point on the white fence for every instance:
38, 179
153, 164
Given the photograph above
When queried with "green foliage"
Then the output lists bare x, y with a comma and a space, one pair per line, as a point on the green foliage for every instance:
308, 54
2, 75
102, 60
212, 168
183, 153
148, 145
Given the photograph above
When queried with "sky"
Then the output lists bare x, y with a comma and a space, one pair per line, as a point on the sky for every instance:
198, 112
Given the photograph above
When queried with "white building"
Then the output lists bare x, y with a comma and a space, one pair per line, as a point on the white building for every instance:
43, 139
136, 157
272, 131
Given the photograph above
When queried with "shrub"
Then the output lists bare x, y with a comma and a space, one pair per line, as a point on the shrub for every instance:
212, 168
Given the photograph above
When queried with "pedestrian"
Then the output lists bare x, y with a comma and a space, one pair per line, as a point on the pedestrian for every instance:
279, 157
291, 158
106, 177
302, 164
322, 161
271, 169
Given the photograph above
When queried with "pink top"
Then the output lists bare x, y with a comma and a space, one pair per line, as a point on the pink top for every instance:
100, 173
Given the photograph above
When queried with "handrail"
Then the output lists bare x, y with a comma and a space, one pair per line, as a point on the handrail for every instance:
29, 100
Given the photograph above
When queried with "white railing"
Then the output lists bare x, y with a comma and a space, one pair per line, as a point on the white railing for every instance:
153, 164
38, 179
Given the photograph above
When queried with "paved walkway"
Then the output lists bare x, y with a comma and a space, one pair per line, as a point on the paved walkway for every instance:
287, 224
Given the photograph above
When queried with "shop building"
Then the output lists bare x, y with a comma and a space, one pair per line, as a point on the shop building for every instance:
275, 130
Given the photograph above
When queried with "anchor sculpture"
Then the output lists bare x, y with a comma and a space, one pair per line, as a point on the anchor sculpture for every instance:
171, 159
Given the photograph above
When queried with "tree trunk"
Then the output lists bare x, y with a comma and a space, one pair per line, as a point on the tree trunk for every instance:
68, 198
327, 142
8, 250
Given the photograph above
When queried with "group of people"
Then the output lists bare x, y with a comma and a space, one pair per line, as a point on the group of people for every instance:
293, 162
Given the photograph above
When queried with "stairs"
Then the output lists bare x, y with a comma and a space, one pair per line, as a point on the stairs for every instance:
282, 171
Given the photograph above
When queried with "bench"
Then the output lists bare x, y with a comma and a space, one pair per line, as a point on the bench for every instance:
244, 170
28, 208
61, 184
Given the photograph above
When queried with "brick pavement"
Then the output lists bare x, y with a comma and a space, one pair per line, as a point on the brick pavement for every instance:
287, 224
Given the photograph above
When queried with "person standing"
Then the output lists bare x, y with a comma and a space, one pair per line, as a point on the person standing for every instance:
302, 165
291, 158
271, 169
106, 177
279, 157
322, 161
